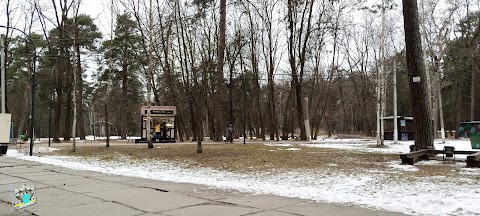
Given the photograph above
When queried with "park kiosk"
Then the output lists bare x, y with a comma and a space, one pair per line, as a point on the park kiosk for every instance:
405, 125
153, 115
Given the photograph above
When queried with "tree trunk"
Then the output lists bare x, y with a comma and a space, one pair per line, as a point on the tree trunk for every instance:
219, 86
74, 86
287, 125
67, 133
80, 114
149, 74
58, 107
123, 128
271, 105
181, 128
24, 113
107, 131
416, 70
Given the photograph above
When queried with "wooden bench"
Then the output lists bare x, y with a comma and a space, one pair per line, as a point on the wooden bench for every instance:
456, 152
473, 160
414, 156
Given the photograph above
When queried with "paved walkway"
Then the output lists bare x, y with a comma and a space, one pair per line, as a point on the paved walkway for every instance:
65, 192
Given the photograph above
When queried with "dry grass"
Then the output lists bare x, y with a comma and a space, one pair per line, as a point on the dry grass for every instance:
258, 157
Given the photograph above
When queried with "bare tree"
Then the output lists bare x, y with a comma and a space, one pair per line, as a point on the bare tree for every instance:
75, 68
299, 30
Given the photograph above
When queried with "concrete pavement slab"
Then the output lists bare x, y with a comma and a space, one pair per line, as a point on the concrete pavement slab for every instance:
148, 200
56, 198
6, 209
6, 179
63, 183
150, 214
272, 213
91, 209
83, 173
114, 178
314, 209
211, 193
164, 185
6, 187
44, 176
96, 186
264, 201
15, 161
212, 210
21, 169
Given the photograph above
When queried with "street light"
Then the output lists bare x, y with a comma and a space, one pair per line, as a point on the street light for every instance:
32, 116
244, 105
50, 112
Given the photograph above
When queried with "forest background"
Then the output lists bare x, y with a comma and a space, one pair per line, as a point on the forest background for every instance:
266, 64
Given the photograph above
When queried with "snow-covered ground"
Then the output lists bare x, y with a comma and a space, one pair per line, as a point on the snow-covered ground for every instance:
435, 195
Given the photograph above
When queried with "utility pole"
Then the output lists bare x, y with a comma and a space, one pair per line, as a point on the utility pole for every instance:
50, 111
32, 116
395, 126
440, 106
2, 53
244, 106
107, 131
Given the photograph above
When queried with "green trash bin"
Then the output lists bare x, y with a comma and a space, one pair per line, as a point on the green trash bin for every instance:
475, 141
471, 130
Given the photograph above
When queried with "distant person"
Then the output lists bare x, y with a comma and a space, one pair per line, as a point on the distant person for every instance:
164, 130
230, 133
157, 131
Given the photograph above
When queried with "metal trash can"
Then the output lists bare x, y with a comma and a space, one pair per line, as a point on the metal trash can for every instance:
3, 149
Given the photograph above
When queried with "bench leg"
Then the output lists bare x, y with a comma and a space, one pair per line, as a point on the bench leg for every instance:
409, 161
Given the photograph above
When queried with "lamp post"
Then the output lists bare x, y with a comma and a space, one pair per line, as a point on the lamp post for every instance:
244, 105
50, 112
2, 54
33, 101
32, 115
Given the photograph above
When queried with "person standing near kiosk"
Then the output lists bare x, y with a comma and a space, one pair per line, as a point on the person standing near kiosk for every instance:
157, 131
164, 130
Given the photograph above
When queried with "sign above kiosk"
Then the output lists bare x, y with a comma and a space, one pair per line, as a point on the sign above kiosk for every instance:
159, 110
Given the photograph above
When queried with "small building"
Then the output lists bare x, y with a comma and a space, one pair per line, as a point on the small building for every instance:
161, 115
405, 126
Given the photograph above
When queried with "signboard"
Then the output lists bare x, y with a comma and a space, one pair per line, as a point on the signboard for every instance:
23, 196
404, 136
403, 123
159, 110
416, 79
170, 112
